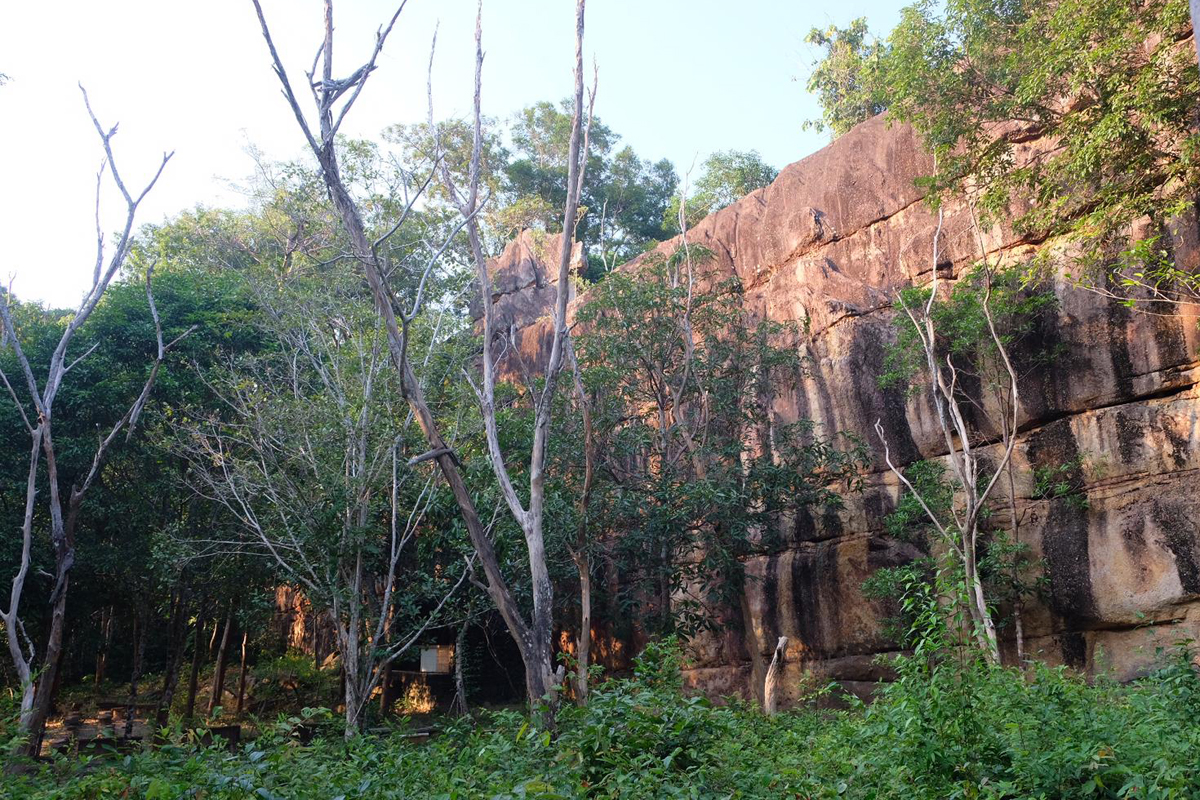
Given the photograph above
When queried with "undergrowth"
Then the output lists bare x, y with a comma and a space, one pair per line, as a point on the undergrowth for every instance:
946, 728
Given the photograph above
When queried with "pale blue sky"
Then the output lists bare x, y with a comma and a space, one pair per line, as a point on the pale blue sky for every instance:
678, 79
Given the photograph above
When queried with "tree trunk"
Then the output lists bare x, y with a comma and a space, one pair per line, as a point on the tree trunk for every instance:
460, 679
106, 622
354, 706
385, 691
583, 656
58, 673
241, 690
771, 684
218, 682
212, 639
44, 695
139, 654
985, 626
1019, 626
197, 655
178, 641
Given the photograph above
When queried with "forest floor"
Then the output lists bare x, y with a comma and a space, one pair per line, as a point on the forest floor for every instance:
63, 739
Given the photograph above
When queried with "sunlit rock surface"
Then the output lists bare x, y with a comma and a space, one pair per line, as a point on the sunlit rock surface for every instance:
826, 246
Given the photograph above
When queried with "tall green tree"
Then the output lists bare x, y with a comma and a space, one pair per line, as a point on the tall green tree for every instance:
692, 472
847, 76
624, 196
725, 176
1109, 90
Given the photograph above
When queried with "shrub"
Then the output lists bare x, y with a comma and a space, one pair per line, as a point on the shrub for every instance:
948, 727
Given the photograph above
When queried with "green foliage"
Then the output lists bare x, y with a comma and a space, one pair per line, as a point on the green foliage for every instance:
680, 379
1111, 83
847, 76
934, 586
946, 727
909, 521
1061, 482
624, 195
725, 176
1019, 308
293, 680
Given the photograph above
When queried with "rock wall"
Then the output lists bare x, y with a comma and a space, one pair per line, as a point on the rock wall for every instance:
826, 246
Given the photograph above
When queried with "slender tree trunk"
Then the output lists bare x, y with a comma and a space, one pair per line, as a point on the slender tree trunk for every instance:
197, 656
583, 656
583, 561
106, 622
139, 654
354, 706
460, 679
385, 691
212, 639
985, 626
241, 690
58, 673
218, 681
1019, 626
62, 535
178, 641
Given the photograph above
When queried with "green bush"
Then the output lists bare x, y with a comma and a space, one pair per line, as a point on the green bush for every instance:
949, 726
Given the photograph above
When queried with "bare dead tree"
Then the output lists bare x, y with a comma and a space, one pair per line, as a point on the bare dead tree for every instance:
538, 651
581, 552
333, 100
241, 690
64, 504
959, 528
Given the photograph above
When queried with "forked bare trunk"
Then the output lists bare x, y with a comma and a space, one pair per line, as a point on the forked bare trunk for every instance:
218, 681
533, 638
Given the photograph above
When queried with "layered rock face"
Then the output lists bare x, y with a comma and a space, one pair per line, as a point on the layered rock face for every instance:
827, 246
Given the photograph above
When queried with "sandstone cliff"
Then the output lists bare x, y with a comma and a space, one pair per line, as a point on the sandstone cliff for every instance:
826, 246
